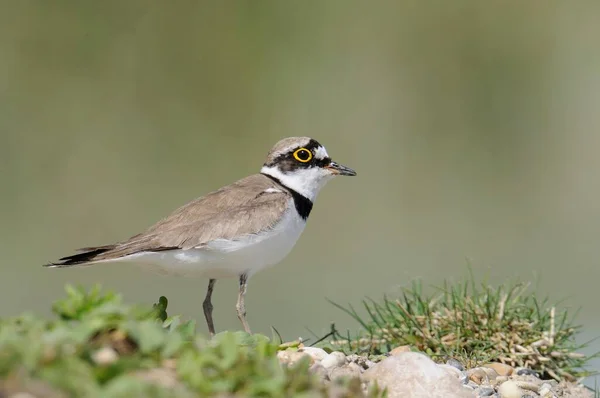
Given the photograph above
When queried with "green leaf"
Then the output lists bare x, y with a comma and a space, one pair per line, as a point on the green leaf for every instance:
172, 322
72, 375
131, 386
189, 369
148, 335
229, 349
160, 308
188, 329
172, 345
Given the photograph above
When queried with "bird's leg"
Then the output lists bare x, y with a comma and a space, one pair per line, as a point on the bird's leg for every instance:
207, 306
240, 306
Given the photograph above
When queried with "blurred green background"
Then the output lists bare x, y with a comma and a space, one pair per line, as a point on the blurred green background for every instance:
473, 127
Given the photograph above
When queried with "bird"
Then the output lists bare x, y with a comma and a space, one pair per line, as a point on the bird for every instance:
232, 232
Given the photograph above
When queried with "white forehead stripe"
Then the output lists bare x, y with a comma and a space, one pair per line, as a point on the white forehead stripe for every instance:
321, 153
288, 145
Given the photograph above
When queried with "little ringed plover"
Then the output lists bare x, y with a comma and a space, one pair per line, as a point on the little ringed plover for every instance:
235, 231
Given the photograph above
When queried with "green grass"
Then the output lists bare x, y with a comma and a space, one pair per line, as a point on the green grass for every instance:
474, 323
98, 346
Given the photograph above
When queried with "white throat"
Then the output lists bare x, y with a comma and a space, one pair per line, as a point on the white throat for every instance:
307, 182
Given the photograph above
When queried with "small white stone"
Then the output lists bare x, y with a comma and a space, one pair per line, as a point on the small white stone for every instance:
355, 367
546, 391
346, 371
105, 356
318, 370
412, 374
510, 389
317, 353
451, 370
335, 359
527, 385
290, 357
499, 380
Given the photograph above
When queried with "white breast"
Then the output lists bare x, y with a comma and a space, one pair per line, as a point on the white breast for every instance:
223, 258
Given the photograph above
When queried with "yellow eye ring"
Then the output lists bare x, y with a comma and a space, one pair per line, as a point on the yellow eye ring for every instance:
303, 155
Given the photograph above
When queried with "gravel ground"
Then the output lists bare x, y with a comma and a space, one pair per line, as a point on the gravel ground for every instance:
414, 375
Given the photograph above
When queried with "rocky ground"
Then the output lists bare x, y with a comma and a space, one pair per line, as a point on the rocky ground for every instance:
410, 374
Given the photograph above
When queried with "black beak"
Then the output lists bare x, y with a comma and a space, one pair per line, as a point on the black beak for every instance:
338, 169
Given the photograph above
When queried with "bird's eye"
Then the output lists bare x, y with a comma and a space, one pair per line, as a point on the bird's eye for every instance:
303, 155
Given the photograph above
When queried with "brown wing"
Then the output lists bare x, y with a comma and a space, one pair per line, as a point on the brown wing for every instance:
244, 207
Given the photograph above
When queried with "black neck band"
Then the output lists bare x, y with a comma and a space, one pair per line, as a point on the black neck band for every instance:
302, 203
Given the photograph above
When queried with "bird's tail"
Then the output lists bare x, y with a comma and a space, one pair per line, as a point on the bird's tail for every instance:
87, 256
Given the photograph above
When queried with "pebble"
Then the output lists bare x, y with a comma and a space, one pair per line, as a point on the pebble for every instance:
452, 371
355, 367
527, 385
290, 357
545, 392
500, 379
318, 354
545, 389
319, 370
415, 375
485, 391
334, 359
453, 362
491, 374
476, 375
501, 369
348, 371
400, 349
408, 373
355, 358
526, 372
361, 361
105, 356
510, 389
479, 375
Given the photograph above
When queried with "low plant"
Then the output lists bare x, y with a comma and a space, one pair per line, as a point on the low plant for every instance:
99, 346
474, 323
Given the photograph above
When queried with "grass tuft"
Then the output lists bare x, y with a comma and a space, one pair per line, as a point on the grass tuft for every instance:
474, 323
